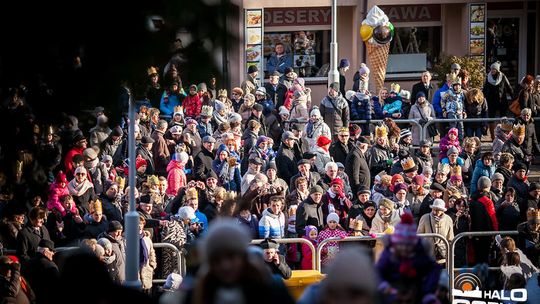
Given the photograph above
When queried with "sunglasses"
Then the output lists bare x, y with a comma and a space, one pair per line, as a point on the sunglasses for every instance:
81, 174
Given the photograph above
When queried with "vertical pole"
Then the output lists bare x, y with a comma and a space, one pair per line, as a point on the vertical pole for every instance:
333, 74
132, 217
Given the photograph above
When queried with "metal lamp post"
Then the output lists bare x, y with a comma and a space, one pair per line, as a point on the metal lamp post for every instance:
132, 217
333, 74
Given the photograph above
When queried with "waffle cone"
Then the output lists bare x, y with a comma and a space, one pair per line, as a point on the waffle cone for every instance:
378, 59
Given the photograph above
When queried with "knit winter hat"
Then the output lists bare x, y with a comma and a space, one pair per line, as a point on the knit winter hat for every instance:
453, 131
61, 178
496, 66
404, 133
186, 212
332, 217
419, 180
323, 141
315, 112
310, 228
497, 176
363, 69
399, 187
344, 63
396, 178
337, 181
349, 95
224, 236
219, 106
105, 243
405, 231
484, 183
316, 189
420, 94
261, 139
452, 150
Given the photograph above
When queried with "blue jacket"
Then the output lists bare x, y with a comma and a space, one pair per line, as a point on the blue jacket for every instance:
360, 107
377, 108
271, 225
393, 107
480, 170
437, 100
167, 108
268, 106
203, 219
460, 162
275, 64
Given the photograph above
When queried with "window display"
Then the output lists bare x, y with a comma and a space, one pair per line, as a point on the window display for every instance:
309, 51
417, 46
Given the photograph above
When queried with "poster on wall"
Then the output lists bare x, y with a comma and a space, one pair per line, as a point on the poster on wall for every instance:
477, 31
253, 40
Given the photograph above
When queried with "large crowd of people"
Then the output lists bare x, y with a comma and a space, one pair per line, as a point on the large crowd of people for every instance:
216, 169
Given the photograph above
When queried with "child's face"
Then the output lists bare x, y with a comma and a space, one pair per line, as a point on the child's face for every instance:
332, 225
245, 214
452, 136
141, 169
313, 234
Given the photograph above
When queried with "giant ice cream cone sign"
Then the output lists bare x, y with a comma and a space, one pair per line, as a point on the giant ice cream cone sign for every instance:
377, 32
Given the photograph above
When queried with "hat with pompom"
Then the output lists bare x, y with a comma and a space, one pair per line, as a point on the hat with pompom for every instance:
405, 231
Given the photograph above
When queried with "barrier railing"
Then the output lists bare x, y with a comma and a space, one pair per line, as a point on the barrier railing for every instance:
450, 258
179, 261
397, 121
449, 120
378, 236
295, 241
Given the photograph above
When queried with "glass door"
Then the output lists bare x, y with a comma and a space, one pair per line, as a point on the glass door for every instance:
503, 44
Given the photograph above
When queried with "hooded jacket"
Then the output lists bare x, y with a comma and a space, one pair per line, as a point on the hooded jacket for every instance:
176, 178
271, 225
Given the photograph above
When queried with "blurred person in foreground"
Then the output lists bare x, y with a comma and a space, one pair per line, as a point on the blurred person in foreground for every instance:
350, 279
229, 273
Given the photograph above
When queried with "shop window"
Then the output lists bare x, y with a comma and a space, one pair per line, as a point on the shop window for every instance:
309, 51
414, 49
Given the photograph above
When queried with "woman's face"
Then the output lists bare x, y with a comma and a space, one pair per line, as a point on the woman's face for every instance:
384, 211
314, 118
470, 148
452, 157
302, 187
384, 94
488, 161
451, 202
421, 100
425, 150
223, 155
80, 177
494, 72
370, 211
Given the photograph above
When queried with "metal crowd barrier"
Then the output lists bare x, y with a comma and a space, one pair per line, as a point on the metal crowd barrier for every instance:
397, 121
379, 236
181, 267
450, 258
295, 241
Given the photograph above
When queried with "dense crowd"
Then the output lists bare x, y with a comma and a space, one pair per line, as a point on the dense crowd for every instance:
215, 170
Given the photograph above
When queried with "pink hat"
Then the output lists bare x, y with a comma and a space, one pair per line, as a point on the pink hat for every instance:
405, 231
453, 130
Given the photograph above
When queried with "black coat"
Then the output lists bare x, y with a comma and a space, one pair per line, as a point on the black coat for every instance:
94, 229
261, 120
420, 87
283, 270
277, 95
286, 162
339, 151
202, 164
28, 241
43, 275
309, 213
146, 155
480, 219
357, 168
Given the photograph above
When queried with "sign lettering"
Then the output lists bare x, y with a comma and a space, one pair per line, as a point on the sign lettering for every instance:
412, 13
297, 16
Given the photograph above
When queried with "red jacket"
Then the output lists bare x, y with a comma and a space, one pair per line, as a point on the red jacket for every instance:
192, 106
68, 161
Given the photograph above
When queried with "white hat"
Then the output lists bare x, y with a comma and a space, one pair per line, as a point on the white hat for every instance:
283, 111
349, 94
438, 204
186, 212
332, 217
315, 112
176, 130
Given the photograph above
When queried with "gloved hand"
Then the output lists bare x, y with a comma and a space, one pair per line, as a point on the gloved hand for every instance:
389, 161
341, 194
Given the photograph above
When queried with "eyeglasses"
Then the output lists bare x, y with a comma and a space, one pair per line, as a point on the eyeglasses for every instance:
343, 135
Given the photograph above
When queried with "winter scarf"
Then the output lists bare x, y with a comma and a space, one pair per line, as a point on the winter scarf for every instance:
219, 118
311, 127
490, 209
493, 81
78, 189
109, 259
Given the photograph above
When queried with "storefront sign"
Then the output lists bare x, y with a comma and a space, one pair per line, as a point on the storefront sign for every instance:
253, 36
295, 16
412, 13
477, 31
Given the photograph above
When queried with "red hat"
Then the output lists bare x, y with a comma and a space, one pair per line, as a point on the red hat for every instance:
395, 178
13, 258
61, 178
337, 181
419, 180
323, 141
139, 162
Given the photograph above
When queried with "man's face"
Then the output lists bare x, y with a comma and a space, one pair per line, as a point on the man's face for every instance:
289, 142
425, 150
437, 212
280, 49
208, 146
521, 173
271, 174
193, 203
269, 254
255, 167
38, 222
407, 139
316, 197
97, 216
274, 80
146, 208
112, 191
331, 172
520, 139
254, 74
332, 92
116, 234
162, 186
535, 193
363, 197
436, 193
211, 183
81, 144
343, 137
426, 77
